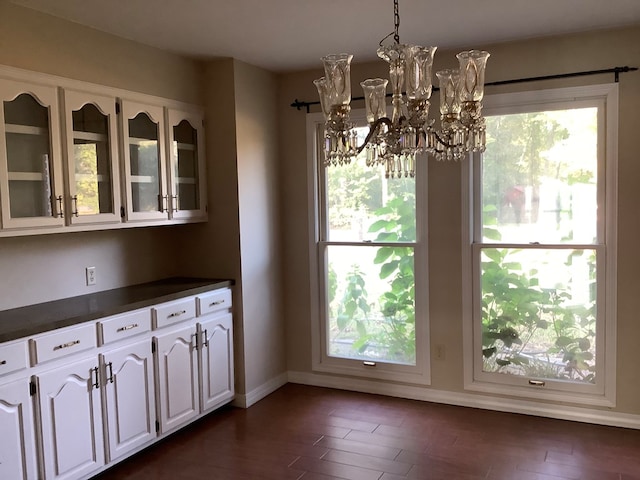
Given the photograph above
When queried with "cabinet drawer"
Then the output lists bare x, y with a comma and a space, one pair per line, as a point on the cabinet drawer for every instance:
173, 312
214, 301
65, 342
123, 326
13, 357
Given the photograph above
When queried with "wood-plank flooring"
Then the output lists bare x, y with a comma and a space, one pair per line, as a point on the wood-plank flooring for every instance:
310, 433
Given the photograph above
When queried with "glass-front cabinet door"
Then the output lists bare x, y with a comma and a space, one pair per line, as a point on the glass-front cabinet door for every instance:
187, 182
30, 156
92, 158
144, 162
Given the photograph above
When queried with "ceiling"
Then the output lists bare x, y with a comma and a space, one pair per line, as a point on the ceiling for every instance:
285, 35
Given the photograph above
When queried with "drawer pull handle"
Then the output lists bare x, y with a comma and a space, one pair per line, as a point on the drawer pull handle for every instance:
66, 345
95, 384
128, 327
536, 383
176, 314
3, 362
110, 368
217, 302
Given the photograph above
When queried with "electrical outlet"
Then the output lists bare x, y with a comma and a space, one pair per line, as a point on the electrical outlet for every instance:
91, 275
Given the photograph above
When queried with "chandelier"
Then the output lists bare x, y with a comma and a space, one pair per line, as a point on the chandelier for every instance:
394, 142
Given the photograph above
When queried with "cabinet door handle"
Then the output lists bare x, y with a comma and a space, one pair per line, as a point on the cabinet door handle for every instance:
217, 302
176, 314
94, 371
174, 203
66, 345
3, 362
205, 339
163, 201
60, 208
128, 327
74, 208
110, 368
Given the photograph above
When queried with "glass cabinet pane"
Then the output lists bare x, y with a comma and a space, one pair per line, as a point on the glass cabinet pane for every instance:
144, 158
185, 151
92, 160
28, 157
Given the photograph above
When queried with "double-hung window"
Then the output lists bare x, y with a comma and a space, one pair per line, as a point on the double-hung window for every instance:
540, 256
369, 254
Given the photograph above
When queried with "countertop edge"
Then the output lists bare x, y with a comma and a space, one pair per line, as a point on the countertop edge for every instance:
192, 286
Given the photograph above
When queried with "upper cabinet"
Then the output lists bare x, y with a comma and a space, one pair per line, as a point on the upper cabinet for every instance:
144, 156
76, 156
187, 183
30, 160
93, 188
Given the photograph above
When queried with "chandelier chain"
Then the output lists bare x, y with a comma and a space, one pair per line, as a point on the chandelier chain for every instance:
396, 22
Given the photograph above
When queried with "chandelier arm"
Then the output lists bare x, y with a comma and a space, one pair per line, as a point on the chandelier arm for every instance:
372, 131
442, 142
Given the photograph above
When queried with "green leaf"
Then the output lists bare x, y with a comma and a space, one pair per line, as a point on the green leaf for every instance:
489, 352
388, 268
382, 254
503, 363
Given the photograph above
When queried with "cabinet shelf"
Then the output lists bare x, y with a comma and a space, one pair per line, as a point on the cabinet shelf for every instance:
143, 179
186, 180
90, 136
186, 146
25, 177
141, 141
25, 129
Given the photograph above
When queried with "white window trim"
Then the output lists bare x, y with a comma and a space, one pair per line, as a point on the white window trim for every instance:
420, 374
605, 392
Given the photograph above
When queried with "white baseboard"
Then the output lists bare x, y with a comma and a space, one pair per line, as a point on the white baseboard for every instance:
257, 394
509, 405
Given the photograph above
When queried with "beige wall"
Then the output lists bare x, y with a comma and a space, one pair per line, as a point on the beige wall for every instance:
508, 61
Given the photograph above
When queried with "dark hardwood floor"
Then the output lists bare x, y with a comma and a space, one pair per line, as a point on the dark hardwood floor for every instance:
311, 433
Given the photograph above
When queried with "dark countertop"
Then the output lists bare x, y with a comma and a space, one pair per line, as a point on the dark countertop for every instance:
42, 317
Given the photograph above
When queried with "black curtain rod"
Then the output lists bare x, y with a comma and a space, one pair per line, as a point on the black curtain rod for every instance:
616, 71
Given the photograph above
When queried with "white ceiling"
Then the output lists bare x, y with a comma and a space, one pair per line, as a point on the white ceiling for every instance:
284, 35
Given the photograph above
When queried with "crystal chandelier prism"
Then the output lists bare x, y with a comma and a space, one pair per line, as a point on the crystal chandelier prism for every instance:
394, 142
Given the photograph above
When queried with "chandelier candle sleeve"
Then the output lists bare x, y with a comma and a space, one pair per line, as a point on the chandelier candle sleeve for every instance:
394, 142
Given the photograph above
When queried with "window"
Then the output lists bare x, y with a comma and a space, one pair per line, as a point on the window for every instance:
370, 259
541, 250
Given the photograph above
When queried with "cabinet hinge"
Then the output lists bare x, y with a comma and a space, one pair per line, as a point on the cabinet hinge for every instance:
157, 426
32, 388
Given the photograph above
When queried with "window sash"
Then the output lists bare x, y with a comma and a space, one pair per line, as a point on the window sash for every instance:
604, 97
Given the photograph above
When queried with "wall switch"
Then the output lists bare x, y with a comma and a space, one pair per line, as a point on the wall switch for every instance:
91, 275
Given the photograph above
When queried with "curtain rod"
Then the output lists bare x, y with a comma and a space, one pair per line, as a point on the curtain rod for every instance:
615, 70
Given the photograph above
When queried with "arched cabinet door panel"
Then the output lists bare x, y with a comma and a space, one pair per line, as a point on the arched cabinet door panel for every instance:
143, 153
17, 448
217, 379
187, 167
91, 141
72, 435
31, 181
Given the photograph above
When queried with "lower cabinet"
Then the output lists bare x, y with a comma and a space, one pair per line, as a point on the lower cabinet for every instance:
177, 374
17, 447
128, 398
194, 369
71, 420
216, 360
93, 397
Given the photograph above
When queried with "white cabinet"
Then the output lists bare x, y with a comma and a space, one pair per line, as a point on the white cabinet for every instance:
145, 172
177, 376
187, 182
71, 420
83, 397
92, 173
17, 447
30, 156
216, 360
194, 359
129, 397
